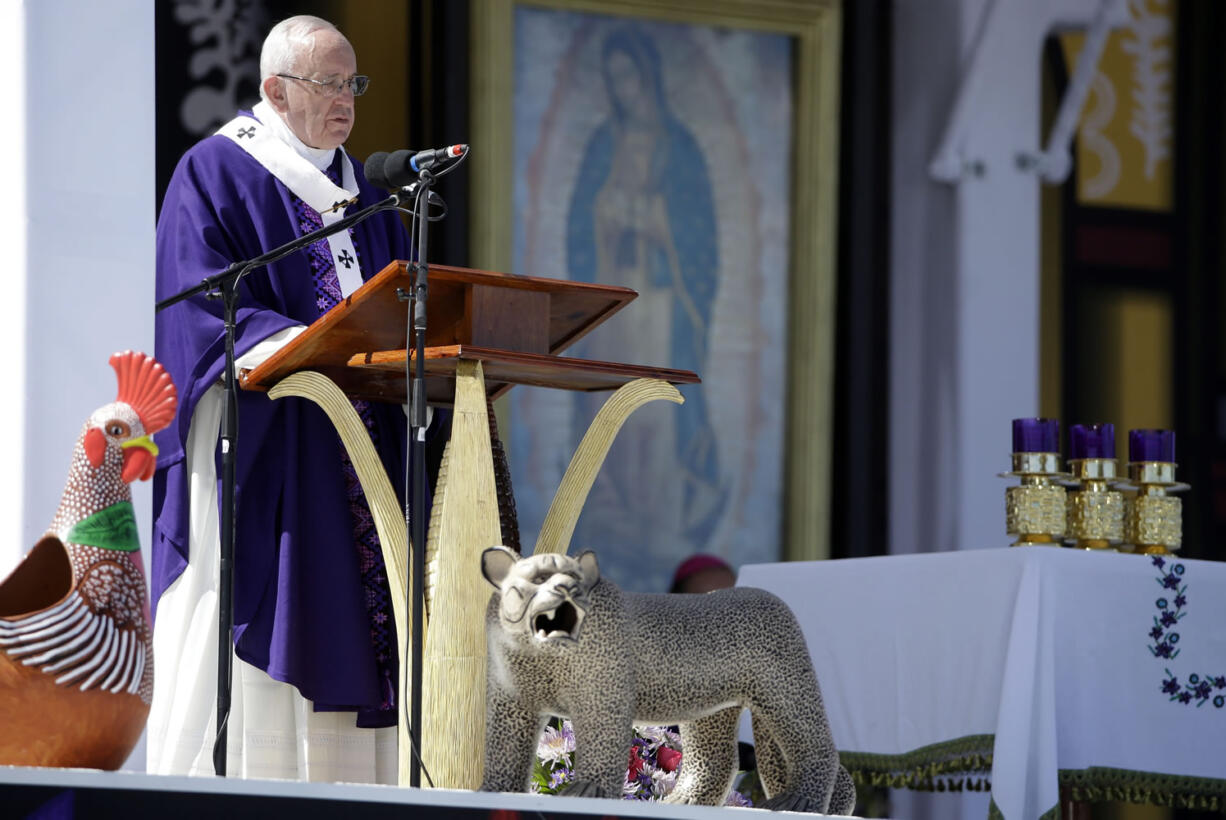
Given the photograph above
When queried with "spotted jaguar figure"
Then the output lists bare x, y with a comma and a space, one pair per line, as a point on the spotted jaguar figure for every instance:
563, 641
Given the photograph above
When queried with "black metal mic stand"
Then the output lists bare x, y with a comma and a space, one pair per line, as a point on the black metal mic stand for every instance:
224, 286
416, 507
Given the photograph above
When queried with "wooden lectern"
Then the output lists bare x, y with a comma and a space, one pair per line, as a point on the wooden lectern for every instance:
486, 332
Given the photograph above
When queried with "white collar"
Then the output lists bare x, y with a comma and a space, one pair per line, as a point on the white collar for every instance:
321, 158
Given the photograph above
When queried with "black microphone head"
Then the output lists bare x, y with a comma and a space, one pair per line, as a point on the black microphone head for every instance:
399, 168
375, 169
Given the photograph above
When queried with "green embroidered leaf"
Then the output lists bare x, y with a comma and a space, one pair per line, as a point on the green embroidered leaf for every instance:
113, 528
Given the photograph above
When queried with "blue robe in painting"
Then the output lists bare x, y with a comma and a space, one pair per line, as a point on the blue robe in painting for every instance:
679, 173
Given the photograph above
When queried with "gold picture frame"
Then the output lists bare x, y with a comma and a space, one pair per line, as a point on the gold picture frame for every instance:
815, 26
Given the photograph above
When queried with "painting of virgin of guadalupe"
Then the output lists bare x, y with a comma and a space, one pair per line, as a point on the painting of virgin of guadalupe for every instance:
641, 177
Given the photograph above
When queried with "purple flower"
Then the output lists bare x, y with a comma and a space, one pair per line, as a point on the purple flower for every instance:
1156, 633
1170, 686
1169, 619
559, 777
1220, 682
735, 798
1163, 650
1202, 690
1158, 562
1180, 600
1185, 697
1170, 582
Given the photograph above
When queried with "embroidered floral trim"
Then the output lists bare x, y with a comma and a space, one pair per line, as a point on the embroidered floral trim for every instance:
1165, 640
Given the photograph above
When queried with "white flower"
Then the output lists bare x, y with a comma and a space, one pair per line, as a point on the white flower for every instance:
556, 745
662, 782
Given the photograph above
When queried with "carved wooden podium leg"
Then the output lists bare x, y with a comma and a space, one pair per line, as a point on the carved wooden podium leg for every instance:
384, 507
577, 482
464, 523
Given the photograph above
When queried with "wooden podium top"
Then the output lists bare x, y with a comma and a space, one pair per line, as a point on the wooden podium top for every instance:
515, 325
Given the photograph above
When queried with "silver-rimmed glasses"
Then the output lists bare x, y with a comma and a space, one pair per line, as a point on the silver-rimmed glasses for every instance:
357, 84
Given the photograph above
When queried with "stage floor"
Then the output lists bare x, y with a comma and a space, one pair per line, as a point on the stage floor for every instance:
85, 794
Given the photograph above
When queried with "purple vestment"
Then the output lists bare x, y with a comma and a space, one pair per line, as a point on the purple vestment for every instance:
299, 612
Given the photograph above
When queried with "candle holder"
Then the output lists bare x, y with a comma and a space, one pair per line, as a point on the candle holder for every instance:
1153, 520
1095, 511
1035, 509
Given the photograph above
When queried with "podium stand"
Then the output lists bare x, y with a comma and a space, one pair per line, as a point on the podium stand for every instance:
486, 332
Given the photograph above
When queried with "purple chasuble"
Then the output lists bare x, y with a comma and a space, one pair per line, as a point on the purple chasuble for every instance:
300, 605
369, 555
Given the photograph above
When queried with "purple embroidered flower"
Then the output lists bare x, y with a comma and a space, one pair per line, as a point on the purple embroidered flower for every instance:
1170, 686
1159, 562
1170, 581
1163, 650
1185, 697
1169, 619
1220, 682
1202, 691
1180, 600
1156, 633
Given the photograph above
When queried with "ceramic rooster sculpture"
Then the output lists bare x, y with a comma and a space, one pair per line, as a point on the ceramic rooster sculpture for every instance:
76, 652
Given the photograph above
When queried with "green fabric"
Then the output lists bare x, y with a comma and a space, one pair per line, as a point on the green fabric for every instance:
113, 528
1099, 784
964, 763
947, 766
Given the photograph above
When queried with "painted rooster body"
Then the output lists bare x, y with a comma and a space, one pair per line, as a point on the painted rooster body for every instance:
76, 655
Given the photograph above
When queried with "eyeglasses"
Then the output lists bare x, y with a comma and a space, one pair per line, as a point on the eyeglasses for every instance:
357, 84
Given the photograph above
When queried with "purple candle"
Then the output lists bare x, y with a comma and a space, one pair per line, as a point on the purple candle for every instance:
1151, 445
1092, 441
1036, 435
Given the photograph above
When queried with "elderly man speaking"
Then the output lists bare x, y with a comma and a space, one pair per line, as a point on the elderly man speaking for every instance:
315, 678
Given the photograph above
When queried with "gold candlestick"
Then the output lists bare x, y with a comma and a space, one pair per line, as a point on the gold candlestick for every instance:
1035, 509
1095, 511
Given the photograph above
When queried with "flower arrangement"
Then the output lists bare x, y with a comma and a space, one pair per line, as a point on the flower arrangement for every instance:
651, 769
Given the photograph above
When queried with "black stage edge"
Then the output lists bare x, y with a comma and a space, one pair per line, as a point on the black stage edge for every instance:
82, 794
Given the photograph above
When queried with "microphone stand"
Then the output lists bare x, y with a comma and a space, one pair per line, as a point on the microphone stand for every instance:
224, 286
416, 506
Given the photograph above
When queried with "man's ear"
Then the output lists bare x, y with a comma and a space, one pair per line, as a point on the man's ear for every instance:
496, 562
591, 569
274, 91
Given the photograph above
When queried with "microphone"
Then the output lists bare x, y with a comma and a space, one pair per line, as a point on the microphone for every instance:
400, 168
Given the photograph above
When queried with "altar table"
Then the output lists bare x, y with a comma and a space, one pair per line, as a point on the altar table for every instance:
1038, 667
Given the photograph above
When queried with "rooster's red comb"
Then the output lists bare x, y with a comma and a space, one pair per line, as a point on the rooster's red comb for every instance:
146, 387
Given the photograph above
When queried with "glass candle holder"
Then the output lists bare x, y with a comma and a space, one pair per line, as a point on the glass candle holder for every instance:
1035, 509
1153, 519
1095, 510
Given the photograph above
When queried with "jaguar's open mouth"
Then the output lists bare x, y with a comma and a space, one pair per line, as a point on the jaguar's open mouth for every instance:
560, 622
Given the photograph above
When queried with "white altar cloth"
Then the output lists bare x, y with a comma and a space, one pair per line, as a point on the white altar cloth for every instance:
1040, 665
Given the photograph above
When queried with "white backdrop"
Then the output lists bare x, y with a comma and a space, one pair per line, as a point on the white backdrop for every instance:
82, 219
78, 231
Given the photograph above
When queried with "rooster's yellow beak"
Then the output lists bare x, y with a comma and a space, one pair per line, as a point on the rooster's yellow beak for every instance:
139, 459
143, 441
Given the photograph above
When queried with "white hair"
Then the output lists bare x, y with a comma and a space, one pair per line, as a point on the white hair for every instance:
279, 54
